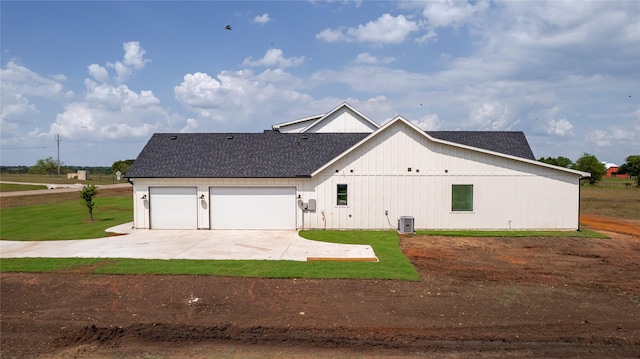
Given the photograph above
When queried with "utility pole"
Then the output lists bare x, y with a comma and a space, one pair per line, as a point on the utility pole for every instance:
58, 143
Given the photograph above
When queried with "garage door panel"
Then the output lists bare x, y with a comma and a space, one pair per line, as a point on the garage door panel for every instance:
173, 207
253, 208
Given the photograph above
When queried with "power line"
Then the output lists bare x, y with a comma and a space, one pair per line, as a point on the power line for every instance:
19, 148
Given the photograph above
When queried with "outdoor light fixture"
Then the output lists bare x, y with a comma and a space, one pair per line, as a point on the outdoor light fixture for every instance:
202, 196
144, 196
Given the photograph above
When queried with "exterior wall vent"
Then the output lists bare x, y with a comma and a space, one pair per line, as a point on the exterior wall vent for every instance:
405, 224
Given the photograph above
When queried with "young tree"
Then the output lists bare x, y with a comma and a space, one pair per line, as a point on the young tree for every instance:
589, 163
631, 167
87, 194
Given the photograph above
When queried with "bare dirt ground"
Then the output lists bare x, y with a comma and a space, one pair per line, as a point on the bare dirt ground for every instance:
481, 297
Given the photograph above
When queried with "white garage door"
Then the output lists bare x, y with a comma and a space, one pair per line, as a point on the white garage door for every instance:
173, 207
253, 207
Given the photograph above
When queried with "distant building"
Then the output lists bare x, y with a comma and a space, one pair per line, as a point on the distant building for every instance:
612, 171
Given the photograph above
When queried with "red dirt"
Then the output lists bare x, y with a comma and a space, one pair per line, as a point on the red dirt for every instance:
625, 226
482, 297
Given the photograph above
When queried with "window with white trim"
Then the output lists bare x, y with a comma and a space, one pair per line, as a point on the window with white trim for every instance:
341, 198
462, 198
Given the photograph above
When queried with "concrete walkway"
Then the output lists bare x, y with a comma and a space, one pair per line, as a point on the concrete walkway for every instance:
191, 244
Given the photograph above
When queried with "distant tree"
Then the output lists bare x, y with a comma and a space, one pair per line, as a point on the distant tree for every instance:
589, 163
87, 194
46, 166
631, 167
122, 166
558, 161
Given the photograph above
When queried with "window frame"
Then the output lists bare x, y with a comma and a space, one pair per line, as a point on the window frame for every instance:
464, 205
342, 195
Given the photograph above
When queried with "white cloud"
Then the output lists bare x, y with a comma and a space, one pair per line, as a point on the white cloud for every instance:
451, 13
561, 127
262, 19
248, 101
98, 72
490, 116
611, 136
17, 79
599, 137
133, 55
111, 112
430, 122
367, 58
21, 89
132, 60
330, 35
386, 29
274, 58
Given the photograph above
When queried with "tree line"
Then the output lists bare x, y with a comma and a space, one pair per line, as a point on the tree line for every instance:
49, 167
590, 163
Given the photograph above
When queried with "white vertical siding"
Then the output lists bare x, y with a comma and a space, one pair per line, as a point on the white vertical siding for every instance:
507, 193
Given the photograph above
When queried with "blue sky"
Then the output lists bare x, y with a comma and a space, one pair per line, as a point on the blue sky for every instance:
106, 75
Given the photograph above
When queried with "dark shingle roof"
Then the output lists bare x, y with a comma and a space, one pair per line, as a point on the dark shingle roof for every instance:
278, 155
239, 155
512, 143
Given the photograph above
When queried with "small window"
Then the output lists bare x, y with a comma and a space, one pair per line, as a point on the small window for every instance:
342, 195
462, 197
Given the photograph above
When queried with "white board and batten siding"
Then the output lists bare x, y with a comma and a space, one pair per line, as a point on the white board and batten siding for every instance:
403, 172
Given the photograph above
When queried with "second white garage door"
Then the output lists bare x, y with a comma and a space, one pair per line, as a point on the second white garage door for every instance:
253, 207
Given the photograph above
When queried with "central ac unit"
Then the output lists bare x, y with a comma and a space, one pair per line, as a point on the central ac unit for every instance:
405, 224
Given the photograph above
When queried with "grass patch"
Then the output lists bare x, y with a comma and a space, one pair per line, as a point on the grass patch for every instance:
13, 187
393, 263
64, 220
611, 197
583, 233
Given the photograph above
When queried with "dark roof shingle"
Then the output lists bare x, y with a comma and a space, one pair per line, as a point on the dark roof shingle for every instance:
512, 143
239, 155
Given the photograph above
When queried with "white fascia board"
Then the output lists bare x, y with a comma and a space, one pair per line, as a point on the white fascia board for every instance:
342, 105
310, 118
436, 140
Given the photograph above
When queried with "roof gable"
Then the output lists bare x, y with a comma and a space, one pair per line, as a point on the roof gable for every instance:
343, 118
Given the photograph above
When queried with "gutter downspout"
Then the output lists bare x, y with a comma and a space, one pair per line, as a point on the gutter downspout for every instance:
579, 200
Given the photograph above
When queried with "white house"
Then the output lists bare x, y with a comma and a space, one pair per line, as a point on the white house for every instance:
340, 170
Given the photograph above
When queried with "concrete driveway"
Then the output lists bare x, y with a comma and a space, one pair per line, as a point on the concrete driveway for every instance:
191, 244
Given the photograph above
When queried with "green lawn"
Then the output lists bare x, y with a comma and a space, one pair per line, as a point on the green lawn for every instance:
393, 263
12, 187
69, 220
64, 220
